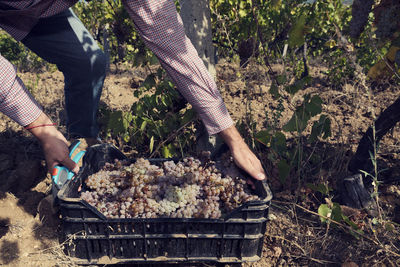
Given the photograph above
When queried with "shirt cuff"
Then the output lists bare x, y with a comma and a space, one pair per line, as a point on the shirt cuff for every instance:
20, 105
216, 119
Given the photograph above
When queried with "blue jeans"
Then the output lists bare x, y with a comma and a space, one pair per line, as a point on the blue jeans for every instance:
63, 40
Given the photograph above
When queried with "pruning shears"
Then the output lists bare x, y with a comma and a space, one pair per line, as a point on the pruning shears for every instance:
61, 174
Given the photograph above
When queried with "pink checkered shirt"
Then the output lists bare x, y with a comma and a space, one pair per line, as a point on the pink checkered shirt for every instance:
18, 17
161, 28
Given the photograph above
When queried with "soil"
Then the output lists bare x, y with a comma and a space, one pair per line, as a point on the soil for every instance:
295, 236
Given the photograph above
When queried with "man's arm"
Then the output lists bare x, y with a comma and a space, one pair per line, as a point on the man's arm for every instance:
17, 103
161, 28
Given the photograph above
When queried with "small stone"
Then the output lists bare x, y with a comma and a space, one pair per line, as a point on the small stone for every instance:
271, 217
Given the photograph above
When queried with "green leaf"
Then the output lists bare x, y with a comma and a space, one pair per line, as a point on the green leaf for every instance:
279, 143
303, 113
115, 122
281, 79
189, 115
263, 137
149, 82
242, 13
276, 4
167, 151
297, 32
314, 106
137, 109
163, 101
322, 188
322, 128
284, 170
298, 85
325, 211
130, 48
291, 125
151, 144
337, 214
127, 118
274, 91
127, 138
154, 60
143, 125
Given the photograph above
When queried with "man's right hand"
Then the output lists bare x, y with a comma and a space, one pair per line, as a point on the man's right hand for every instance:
54, 144
243, 157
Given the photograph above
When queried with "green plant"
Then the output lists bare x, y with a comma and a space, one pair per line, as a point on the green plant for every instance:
19, 55
158, 124
108, 21
331, 211
235, 22
33, 85
286, 157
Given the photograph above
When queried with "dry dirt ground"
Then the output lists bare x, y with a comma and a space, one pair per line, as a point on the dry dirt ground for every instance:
295, 236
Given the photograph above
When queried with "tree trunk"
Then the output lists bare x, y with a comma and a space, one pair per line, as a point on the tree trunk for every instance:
106, 48
197, 21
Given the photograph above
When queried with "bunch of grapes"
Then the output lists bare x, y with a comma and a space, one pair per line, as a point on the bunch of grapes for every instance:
187, 189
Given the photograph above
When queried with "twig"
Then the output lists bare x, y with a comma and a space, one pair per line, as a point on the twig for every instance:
170, 137
339, 224
302, 250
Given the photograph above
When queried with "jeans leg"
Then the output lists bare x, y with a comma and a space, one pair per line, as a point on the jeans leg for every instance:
63, 40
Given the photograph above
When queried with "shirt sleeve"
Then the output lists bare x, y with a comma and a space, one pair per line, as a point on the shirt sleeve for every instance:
15, 100
161, 28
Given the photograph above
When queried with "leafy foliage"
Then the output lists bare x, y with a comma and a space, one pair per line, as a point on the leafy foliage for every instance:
20, 56
108, 21
160, 123
285, 157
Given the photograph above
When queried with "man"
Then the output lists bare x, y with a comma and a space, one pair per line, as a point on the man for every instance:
52, 31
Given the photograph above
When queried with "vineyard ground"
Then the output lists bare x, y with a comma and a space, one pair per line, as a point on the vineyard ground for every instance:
295, 236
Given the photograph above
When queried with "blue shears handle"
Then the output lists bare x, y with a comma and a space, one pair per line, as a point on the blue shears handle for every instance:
61, 174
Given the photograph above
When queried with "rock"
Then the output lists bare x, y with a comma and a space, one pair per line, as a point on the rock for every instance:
27, 173
6, 162
48, 213
30, 201
8, 180
272, 217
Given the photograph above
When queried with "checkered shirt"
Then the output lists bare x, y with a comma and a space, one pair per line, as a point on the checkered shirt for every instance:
18, 17
161, 28
15, 100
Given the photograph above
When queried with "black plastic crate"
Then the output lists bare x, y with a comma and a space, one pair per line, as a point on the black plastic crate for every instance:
94, 239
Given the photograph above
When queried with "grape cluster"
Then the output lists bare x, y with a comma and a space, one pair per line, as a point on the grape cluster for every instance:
187, 189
